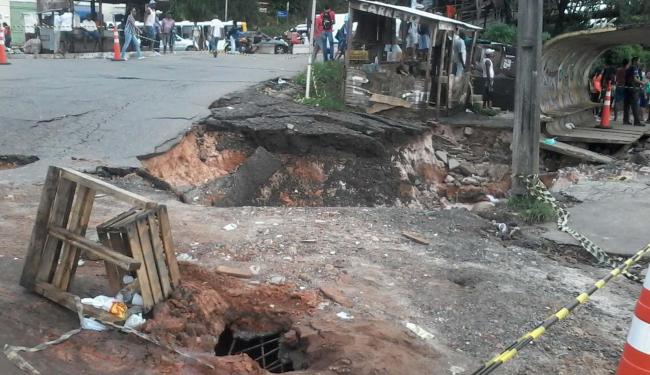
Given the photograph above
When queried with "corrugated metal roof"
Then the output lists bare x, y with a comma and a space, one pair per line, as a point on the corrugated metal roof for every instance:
419, 13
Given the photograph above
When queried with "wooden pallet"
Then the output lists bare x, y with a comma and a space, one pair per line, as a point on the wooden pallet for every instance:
58, 237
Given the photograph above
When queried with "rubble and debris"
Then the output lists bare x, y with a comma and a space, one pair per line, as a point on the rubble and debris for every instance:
336, 295
415, 237
237, 272
419, 331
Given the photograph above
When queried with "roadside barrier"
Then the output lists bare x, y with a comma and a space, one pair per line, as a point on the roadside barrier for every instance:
511, 351
606, 112
3, 50
636, 352
642, 328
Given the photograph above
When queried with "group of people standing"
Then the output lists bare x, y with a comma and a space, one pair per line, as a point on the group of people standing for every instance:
324, 35
156, 31
632, 90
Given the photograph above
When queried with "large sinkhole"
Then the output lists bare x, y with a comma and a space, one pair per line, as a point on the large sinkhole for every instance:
277, 352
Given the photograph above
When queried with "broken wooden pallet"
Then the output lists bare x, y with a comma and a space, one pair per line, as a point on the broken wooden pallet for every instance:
145, 236
58, 237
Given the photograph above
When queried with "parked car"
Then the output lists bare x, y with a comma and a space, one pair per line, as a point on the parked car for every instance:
251, 43
182, 44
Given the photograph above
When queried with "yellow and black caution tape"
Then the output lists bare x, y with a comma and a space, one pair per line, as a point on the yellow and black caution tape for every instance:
511, 351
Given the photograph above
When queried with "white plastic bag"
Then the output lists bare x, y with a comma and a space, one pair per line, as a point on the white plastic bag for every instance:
100, 302
134, 321
92, 325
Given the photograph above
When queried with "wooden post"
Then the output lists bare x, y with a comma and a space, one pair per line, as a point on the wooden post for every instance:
427, 81
440, 72
468, 68
525, 143
450, 67
346, 56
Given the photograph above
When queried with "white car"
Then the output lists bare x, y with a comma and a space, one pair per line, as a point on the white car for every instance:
182, 44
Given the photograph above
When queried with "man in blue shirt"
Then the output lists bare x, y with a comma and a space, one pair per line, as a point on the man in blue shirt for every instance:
633, 84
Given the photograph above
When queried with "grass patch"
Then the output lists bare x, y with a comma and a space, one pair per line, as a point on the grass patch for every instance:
477, 108
532, 210
326, 85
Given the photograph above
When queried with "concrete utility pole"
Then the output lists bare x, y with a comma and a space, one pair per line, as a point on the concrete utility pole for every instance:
311, 47
225, 16
525, 142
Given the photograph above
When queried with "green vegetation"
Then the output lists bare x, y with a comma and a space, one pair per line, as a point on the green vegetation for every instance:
501, 33
616, 55
326, 85
477, 108
506, 34
532, 210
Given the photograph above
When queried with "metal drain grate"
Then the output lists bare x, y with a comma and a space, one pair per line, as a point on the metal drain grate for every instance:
264, 349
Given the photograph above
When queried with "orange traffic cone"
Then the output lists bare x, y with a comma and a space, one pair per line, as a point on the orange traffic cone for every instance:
605, 114
636, 353
3, 52
117, 54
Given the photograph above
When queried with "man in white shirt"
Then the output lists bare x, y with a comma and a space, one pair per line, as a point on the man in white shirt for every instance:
216, 33
149, 21
488, 75
90, 28
460, 54
63, 25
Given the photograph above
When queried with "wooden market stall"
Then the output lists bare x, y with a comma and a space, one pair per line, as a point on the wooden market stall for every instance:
389, 63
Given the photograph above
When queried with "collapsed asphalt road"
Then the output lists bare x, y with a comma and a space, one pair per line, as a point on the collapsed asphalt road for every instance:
81, 113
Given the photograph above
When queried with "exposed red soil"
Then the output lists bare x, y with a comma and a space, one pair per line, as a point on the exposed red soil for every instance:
207, 302
196, 159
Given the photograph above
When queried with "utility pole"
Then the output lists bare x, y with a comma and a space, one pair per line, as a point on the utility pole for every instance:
525, 141
225, 16
311, 47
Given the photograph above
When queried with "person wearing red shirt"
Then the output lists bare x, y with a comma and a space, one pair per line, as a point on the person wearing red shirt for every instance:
328, 19
318, 32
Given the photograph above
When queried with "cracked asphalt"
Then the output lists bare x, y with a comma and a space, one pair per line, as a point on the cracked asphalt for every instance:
83, 113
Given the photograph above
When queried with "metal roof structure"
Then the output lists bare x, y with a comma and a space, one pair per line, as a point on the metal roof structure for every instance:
408, 14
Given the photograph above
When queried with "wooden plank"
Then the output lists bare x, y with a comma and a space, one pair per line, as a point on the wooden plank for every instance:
100, 251
149, 259
168, 243
39, 232
80, 215
159, 254
67, 300
441, 73
378, 107
111, 222
113, 273
385, 99
588, 138
143, 279
576, 152
59, 217
106, 188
